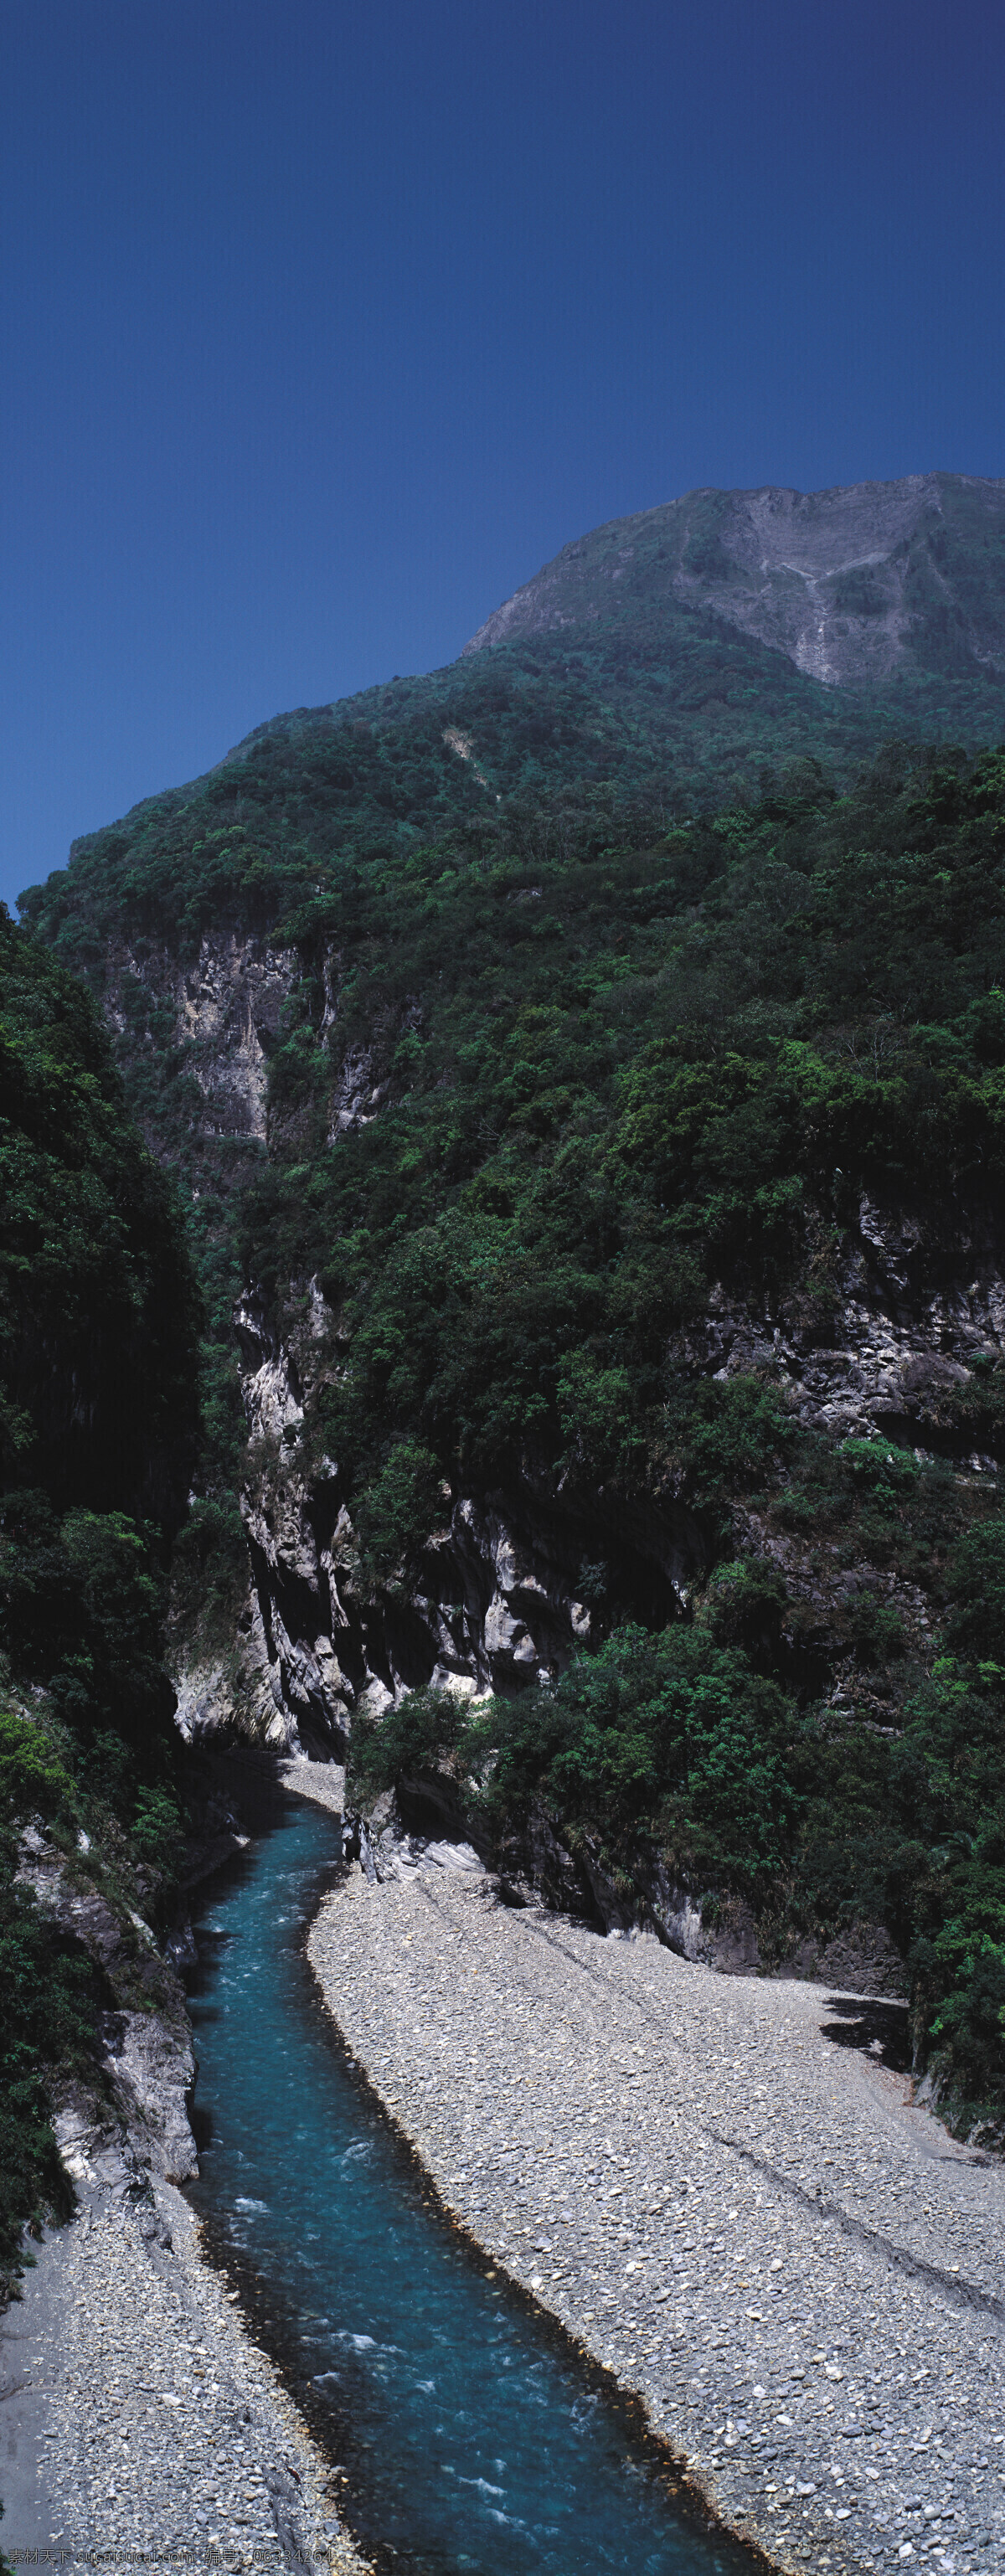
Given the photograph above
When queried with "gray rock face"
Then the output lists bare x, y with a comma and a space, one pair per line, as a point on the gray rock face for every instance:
896, 1344
357, 1095
849, 583
148, 2056
226, 1008
152, 2071
494, 1601
502, 1594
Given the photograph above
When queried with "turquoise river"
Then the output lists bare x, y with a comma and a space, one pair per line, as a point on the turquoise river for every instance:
470, 2435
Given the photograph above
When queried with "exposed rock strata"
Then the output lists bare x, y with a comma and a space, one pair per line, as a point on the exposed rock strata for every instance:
226, 1009
889, 1348
495, 1601
147, 2061
887, 1344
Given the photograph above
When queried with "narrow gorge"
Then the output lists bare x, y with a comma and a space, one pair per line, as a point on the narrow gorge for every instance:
504, 1340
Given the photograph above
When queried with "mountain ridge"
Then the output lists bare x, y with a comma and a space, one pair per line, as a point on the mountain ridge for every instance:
652, 673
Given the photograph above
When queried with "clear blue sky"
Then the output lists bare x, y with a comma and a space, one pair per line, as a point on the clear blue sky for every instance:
323, 327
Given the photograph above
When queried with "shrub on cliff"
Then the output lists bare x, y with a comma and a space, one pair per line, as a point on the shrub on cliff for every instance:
670, 1738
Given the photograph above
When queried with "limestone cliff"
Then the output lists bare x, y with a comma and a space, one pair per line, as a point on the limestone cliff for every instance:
495, 1601
225, 1009
495, 1604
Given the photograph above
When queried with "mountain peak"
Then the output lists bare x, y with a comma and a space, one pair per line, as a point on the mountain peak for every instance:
850, 583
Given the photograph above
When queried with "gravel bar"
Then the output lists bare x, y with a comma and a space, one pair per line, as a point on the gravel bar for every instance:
747, 2222
137, 2419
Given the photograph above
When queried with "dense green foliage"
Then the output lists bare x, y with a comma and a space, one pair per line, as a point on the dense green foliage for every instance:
612, 1085
671, 1735
656, 1071
676, 1750
98, 1319
82, 1609
209, 1572
673, 715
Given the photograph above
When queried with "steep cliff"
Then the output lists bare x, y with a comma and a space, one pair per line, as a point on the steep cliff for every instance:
490, 1124
220, 1011
492, 1601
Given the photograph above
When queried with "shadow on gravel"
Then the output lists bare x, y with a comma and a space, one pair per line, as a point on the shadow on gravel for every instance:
880, 2030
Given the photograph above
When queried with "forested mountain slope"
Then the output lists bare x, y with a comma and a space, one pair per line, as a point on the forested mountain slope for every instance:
621, 1258
653, 670
590, 1125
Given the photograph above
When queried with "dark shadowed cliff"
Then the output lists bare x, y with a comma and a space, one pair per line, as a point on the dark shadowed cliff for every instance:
99, 1410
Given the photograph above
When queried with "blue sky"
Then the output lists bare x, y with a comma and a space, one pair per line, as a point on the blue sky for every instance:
322, 328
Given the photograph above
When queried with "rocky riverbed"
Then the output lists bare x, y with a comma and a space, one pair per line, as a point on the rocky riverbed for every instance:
136, 2418
738, 2212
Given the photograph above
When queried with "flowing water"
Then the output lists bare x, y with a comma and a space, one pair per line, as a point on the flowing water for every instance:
470, 2436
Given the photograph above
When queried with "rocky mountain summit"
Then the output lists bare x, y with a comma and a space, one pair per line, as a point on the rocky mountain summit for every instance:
851, 584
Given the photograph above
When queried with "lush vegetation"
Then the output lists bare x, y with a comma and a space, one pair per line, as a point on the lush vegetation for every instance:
99, 1313
96, 1295
675, 715
609, 1088
613, 1082
678, 1750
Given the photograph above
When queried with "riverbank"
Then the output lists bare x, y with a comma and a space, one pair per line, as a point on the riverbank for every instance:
137, 2417
800, 2275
